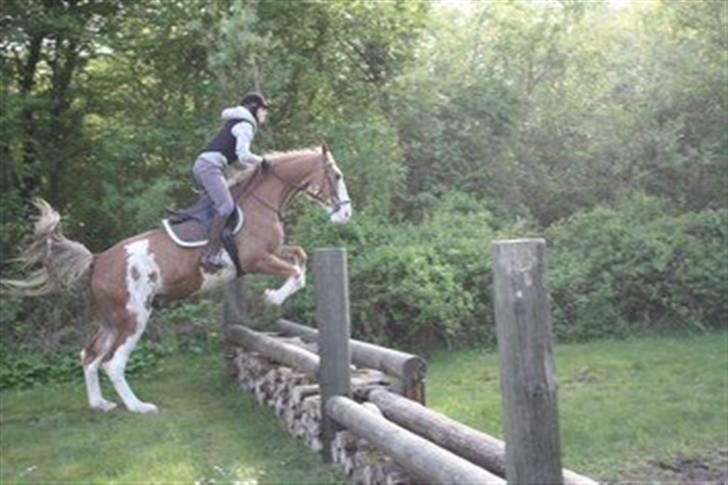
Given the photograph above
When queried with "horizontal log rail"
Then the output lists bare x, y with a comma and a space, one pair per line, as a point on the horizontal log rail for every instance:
401, 364
421, 458
285, 353
475, 446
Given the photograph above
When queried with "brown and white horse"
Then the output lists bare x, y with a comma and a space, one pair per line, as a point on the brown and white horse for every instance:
124, 279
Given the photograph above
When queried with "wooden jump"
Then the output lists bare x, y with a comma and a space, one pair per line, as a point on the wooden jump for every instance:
429, 446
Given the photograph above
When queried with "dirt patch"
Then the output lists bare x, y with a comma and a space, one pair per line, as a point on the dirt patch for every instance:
683, 470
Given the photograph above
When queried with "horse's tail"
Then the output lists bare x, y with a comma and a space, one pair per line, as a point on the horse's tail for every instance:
54, 262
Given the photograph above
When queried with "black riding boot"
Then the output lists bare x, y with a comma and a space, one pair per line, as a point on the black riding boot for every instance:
211, 259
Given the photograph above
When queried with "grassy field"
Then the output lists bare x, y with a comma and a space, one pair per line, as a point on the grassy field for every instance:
207, 432
639, 410
630, 410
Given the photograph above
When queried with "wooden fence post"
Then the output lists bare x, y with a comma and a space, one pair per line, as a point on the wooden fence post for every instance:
528, 381
332, 315
234, 313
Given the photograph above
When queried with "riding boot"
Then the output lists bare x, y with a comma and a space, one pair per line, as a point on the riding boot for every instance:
211, 259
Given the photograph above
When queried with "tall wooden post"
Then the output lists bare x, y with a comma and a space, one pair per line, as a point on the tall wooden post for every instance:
332, 315
528, 381
234, 313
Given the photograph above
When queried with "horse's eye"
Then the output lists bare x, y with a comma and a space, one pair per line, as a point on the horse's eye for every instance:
337, 176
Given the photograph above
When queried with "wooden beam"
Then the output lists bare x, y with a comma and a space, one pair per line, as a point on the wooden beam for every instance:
287, 354
332, 314
528, 380
410, 368
422, 459
475, 446
234, 313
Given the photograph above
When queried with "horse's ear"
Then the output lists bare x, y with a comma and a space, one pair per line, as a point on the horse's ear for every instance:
324, 148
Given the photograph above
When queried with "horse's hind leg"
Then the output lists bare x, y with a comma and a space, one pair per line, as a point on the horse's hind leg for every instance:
91, 357
127, 310
130, 328
114, 364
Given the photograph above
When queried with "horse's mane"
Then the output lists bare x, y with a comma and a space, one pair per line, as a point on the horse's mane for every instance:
277, 157
237, 176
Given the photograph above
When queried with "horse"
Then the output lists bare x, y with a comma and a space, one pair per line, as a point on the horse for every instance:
122, 281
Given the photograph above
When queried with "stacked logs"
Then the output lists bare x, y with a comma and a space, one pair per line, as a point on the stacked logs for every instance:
364, 464
424, 437
409, 369
294, 396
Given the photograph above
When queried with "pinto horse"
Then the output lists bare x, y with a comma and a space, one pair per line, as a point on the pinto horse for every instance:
123, 280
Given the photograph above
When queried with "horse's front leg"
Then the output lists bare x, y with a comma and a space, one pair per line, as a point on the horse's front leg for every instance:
295, 254
274, 265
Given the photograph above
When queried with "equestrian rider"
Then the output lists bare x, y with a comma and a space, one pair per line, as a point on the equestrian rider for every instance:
230, 146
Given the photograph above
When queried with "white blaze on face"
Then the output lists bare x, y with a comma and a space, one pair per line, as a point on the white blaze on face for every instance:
344, 211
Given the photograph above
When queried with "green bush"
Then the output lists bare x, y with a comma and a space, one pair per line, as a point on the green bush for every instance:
636, 266
413, 286
41, 345
28, 368
408, 295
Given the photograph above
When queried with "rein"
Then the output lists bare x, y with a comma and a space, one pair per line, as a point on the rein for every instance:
335, 206
249, 190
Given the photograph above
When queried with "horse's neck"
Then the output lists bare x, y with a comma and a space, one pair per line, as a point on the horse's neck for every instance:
278, 190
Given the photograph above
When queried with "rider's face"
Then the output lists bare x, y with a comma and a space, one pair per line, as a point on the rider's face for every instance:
262, 115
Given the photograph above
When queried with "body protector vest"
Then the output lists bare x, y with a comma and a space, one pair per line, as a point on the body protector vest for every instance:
224, 141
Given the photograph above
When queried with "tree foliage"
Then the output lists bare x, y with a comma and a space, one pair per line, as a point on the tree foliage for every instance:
531, 114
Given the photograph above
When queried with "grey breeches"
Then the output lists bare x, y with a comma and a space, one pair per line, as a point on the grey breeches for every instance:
212, 178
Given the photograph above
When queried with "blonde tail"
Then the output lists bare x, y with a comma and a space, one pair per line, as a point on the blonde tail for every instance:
64, 264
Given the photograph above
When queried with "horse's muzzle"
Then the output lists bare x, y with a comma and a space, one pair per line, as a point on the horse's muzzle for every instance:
341, 212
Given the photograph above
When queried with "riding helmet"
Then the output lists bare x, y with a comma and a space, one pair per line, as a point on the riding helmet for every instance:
254, 100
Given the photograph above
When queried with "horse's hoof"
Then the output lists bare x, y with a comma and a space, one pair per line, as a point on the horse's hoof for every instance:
271, 298
144, 408
103, 406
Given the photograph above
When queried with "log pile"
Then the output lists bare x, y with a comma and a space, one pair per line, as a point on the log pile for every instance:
409, 369
294, 397
364, 464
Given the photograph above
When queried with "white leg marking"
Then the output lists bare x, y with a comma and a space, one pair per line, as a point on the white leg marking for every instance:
142, 282
115, 370
292, 285
93, 390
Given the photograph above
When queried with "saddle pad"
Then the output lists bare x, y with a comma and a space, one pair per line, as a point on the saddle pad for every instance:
192, 234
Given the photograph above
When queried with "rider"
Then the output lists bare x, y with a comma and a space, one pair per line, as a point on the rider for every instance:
230, 146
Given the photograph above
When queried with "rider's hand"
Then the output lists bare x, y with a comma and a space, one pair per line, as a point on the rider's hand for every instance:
264, 165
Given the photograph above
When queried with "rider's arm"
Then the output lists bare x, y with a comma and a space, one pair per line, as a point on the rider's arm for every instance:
243, 134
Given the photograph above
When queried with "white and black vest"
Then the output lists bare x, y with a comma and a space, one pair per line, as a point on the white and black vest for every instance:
224, 141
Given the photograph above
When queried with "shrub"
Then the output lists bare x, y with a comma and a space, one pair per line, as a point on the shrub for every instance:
26, 368
635, 266
413, 285
408, 296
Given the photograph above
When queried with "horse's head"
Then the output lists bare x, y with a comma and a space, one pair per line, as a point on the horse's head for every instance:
327, 186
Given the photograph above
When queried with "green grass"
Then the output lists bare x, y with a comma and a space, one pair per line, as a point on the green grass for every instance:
621, 403
207, 432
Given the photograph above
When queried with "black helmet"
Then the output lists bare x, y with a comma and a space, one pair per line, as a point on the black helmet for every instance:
254, 100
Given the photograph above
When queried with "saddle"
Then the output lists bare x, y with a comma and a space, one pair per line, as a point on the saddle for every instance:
188, 227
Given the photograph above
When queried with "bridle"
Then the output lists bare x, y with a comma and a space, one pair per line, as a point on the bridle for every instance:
333, 203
